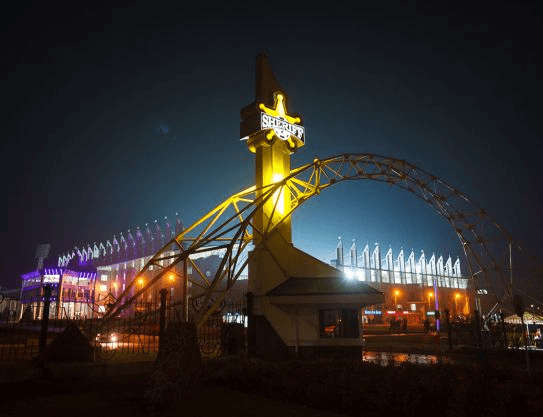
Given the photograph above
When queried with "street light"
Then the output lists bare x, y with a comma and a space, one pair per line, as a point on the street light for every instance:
396, 293
430, 295
456, 297
171, 277
141, 281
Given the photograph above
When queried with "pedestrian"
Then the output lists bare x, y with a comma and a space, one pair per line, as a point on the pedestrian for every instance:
537, 338
393, 323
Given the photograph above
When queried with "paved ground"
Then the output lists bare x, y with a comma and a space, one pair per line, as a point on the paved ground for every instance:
123, 396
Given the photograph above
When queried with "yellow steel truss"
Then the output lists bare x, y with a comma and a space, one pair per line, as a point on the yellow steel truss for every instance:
230, 226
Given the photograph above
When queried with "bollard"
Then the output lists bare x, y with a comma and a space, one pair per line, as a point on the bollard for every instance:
45, 317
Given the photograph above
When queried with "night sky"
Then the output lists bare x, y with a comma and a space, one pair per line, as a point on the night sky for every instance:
120, 116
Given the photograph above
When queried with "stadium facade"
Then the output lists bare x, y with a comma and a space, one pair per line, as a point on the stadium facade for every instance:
414, 287
85, 280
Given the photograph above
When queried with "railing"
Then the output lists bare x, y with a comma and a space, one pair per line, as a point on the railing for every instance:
137, 333
224, 333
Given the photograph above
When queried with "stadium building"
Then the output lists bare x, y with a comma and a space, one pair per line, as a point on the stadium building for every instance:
85, 280
414, 287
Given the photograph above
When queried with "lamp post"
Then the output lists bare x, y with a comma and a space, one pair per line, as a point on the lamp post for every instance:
456, 297
396, 293
171, 278
141, 281
430, 296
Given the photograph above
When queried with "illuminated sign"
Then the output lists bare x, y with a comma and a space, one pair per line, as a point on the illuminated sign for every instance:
51, 278
372, 312
282, 129
279, 122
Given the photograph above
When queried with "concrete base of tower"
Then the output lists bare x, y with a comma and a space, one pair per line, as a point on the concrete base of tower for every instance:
299, 306
268, 345
265, 343
263, 340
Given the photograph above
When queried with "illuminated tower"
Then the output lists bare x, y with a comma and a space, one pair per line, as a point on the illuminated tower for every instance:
289, 289
272, 134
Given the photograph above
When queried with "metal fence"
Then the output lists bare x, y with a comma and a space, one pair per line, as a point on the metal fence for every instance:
135, 333
513, 335
224, 332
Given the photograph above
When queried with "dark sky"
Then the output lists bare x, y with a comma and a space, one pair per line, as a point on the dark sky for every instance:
453, 90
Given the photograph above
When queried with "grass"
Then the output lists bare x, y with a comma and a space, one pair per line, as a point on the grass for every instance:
349, 387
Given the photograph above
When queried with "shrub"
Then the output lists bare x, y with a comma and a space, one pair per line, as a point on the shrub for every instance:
353, 388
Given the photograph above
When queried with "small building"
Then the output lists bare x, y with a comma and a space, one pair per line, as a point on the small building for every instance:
326, 311
300, 306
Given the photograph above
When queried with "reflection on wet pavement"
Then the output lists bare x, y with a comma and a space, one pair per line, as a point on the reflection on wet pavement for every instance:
391, 358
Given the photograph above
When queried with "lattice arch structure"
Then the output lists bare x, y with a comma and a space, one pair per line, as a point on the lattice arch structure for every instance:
488, 247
